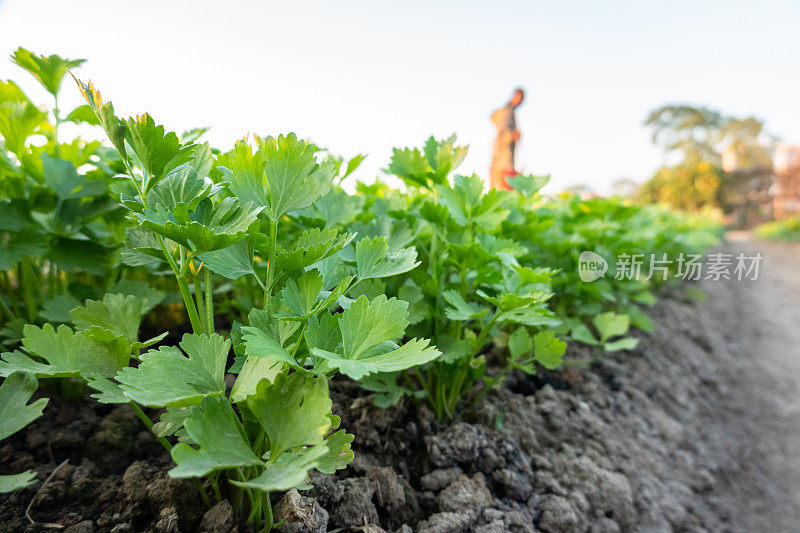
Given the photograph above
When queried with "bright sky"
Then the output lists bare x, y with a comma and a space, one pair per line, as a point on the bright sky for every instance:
368, 76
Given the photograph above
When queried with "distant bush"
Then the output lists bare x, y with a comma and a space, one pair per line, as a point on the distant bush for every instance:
787, 229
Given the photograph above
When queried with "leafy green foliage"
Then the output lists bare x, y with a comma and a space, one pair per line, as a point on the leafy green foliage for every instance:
167, 377
405, 291
16, 413
213, 425
49, 70
281, 176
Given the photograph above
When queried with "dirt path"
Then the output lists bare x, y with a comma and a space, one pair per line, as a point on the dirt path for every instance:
761, 427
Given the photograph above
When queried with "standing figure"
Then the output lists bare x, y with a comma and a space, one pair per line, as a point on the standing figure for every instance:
506, 142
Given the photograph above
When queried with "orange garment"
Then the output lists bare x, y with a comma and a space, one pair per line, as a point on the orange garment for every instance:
504, 146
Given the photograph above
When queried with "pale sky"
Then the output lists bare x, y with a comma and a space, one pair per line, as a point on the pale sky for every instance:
368, 76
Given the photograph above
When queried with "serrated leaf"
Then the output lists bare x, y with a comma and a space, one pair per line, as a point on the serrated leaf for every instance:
167, 377
581, 333
49, 70
57, 308
373, 259
254, 369
413, 353
460, 309
232, 262
627, 343
282, 176
118, 313
65, 352
301, 296
528, 185
548, 349
83, 113
293, 410
18, 121
313, 245
214, 426
289, 471
261, 343
210, 227
182, 186
147, 295
369, 323
611, 324
113, 126
107, 390
158, 150
62, 176
14, 482
15, 412
519, 343
171, 421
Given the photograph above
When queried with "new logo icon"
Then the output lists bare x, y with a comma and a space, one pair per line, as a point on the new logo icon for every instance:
591, 266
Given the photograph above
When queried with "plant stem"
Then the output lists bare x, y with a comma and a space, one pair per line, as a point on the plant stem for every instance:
55, 126
198, 296
209, 303
149, 423
183, 285
28, 280
273, 236
6, 308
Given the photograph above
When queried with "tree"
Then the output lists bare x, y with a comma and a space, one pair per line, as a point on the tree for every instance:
692, 130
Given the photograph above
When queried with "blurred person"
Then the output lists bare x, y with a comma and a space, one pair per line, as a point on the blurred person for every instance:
506, 142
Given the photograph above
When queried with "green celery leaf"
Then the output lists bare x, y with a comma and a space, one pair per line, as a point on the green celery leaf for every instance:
182, 186
159, 152
107, 390
301, 296
62, 176
461, 309
49, 70
232, 262
66, 354
528, 185
294, 410
288, 472
15, 412
519, 343
167, 377
18, 121
373, 259
171, 421
611, 324
313, 245
412, 353
254, 369
118, 313
57, 308
214, 426
626, 343
548, 349
282, 175
366, 324
581, 333
83, 113
17, 481
209, 227
147, 295
113, 126
261, 343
